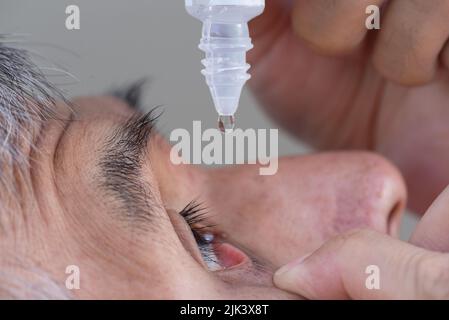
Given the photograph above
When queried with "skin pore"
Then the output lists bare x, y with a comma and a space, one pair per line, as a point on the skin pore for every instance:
106, 197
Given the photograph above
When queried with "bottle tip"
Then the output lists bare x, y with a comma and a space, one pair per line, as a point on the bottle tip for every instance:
226, 123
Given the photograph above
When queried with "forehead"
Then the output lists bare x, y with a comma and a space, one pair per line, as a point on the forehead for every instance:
101, 107
26, 100
74, 224
67, 192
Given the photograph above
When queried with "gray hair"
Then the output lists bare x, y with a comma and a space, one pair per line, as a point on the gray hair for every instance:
20, 279
26, 100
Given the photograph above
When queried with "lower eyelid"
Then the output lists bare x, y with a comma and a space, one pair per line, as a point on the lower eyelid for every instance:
229, 256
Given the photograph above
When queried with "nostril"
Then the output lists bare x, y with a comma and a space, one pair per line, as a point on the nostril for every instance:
394, 218
394, 204
398, 204
388, 194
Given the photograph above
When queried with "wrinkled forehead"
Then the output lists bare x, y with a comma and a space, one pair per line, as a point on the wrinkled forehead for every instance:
26, 100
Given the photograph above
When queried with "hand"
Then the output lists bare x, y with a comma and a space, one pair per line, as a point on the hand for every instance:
330, 81
415, 270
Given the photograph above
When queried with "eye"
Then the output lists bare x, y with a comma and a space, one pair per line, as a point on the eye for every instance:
195, 216
217, 255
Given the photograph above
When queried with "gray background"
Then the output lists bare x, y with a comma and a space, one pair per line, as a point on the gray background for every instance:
121, 41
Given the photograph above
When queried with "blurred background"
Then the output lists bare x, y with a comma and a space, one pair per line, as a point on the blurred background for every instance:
122, 41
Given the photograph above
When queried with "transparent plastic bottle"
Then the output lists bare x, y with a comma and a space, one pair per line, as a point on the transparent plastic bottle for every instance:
225, 40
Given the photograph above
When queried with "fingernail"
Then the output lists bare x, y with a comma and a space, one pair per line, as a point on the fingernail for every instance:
291, 276
291, 265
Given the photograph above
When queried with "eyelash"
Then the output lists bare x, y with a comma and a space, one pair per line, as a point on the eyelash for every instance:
194, 215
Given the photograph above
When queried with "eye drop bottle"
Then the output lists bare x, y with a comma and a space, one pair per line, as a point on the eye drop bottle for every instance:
225, 41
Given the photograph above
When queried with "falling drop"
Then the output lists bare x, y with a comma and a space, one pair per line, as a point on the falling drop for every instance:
226, 123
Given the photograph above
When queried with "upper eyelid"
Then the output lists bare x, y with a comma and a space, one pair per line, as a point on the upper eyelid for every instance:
184, 233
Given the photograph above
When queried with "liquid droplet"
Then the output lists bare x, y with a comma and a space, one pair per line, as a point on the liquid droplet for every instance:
226, 123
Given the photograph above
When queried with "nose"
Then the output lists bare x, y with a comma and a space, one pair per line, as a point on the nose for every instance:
378, 194
309, 200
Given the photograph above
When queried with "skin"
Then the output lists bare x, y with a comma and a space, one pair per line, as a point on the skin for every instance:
315, 64
67, 219
321, 74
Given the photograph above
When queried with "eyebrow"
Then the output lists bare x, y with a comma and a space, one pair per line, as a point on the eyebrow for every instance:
120, 164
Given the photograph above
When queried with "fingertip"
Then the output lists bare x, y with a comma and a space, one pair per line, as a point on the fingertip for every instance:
408, 47
293, 277
404, 70
323, 40
331, 27
291, 265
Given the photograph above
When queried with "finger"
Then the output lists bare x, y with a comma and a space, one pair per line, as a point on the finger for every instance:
412, 36
267, 28
432, 231
332, 26
338, 270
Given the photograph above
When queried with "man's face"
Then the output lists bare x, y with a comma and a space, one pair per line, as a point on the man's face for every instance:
107, 198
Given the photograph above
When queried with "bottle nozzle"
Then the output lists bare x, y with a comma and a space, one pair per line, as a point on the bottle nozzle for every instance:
226, 123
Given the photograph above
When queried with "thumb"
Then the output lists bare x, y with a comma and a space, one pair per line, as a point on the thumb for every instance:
432, 231
367, 265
